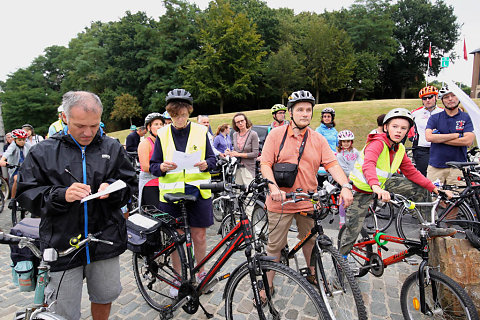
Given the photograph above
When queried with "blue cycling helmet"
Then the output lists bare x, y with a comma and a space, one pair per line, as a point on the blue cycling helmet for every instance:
166, 115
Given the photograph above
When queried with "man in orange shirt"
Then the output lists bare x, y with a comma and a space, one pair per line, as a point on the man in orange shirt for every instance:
297, 136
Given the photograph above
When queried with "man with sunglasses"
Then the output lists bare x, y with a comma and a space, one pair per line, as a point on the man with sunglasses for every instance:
421, 147
450, 132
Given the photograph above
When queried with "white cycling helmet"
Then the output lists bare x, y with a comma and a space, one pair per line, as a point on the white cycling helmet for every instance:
444, 91
346, 135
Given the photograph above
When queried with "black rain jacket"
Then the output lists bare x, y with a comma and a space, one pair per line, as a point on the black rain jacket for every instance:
43, 182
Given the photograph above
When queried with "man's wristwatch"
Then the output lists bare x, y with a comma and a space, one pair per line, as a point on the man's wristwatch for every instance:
348, 186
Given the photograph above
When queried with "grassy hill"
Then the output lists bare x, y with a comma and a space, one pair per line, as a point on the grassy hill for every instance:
357, 116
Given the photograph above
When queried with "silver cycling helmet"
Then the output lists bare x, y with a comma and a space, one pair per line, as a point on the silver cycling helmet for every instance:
179, 94
152, 116
299, 96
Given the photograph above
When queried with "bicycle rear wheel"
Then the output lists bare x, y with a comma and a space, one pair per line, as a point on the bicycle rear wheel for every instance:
385, 215
42, 315
292, 298
156, 278
360, 256
444, 299
337, 285
5, 188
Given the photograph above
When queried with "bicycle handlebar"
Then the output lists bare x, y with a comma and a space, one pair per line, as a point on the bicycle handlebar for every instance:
6, 238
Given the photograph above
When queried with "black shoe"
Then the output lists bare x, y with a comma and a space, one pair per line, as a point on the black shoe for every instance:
12, 203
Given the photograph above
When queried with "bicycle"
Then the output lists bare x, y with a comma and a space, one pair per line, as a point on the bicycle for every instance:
457, 209
425, 293
222, 208
154, 274
39, 310
334, 279
4, 194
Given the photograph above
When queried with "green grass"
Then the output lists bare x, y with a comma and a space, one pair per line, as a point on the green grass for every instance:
358, 116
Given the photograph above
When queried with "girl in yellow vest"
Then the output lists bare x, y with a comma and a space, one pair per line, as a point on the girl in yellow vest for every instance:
381, 157
185, 136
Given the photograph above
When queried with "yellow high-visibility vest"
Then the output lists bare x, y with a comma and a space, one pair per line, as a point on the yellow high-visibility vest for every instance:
175, 181
384, 169
58, 125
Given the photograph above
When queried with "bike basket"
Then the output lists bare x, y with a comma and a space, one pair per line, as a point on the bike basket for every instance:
142, 233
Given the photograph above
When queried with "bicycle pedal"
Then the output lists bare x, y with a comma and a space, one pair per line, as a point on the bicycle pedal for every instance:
412, 261
304, 271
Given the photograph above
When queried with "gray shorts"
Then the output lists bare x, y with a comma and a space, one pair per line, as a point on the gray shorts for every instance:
103, 283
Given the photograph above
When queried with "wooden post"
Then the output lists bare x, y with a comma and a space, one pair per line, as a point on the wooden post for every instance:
460, 261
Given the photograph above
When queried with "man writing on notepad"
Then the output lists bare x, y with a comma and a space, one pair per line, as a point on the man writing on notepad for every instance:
54, 177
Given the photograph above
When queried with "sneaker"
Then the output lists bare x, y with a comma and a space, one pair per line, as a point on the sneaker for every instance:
441, 232
174, 291
200, 278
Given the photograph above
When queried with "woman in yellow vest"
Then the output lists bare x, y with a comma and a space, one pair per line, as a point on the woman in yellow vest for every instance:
381, 157
184, 136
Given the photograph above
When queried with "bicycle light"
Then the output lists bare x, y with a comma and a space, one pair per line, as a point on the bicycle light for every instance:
50, 255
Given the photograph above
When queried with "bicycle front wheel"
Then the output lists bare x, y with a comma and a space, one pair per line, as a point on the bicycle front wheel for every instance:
384, 213
444, 299
260, 223
337, 285
156, 278
292, 296
359, 255
5, 188
45, 315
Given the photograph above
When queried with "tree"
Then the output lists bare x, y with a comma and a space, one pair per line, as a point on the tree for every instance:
230, 56
370, 27
126, 106
329, 56
284, 72
417, 24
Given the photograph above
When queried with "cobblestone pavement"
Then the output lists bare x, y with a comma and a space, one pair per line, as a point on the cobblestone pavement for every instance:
381, 295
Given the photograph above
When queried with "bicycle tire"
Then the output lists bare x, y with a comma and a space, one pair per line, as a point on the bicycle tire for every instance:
147, 271
5, 187
260, 223
45, 315
218, 209
2, 202
293, 297
408, 221
456, 304
337, 285
367, 252
228, 223
385, 215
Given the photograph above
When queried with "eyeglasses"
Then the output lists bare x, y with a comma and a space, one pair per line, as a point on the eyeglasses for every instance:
240, 121
280, 112
428, 97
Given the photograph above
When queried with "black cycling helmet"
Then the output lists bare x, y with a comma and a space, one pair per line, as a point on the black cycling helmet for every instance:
152, 116
299, 96
179, 94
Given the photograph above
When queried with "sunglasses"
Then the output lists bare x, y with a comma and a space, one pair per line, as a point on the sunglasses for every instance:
428, 97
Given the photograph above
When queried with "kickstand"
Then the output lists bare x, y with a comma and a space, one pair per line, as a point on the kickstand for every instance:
208, 315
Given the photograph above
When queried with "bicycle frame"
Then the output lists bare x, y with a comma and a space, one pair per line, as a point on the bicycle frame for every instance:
240, 234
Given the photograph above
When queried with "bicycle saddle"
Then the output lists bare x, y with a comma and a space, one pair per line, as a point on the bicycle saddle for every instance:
174, 197
459, 165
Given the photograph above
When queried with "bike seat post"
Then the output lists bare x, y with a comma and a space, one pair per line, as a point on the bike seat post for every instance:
188, 235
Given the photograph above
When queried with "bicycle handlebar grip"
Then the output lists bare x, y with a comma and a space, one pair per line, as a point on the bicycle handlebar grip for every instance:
5, 239
289, 195
214, 187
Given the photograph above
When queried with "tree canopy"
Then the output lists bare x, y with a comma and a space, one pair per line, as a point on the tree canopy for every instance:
235, 55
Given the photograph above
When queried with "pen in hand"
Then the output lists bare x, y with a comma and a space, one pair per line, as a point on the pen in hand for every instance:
74, 178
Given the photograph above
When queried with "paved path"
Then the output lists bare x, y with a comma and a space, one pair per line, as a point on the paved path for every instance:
381, 295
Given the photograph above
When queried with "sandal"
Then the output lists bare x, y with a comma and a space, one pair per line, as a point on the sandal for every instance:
264, 298
311, 278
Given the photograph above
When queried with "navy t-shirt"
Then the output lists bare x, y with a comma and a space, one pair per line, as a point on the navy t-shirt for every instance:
443, 123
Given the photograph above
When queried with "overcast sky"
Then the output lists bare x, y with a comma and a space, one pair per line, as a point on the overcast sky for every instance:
27, 27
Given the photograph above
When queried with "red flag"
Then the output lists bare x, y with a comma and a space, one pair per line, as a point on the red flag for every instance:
465, 56
430, 55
